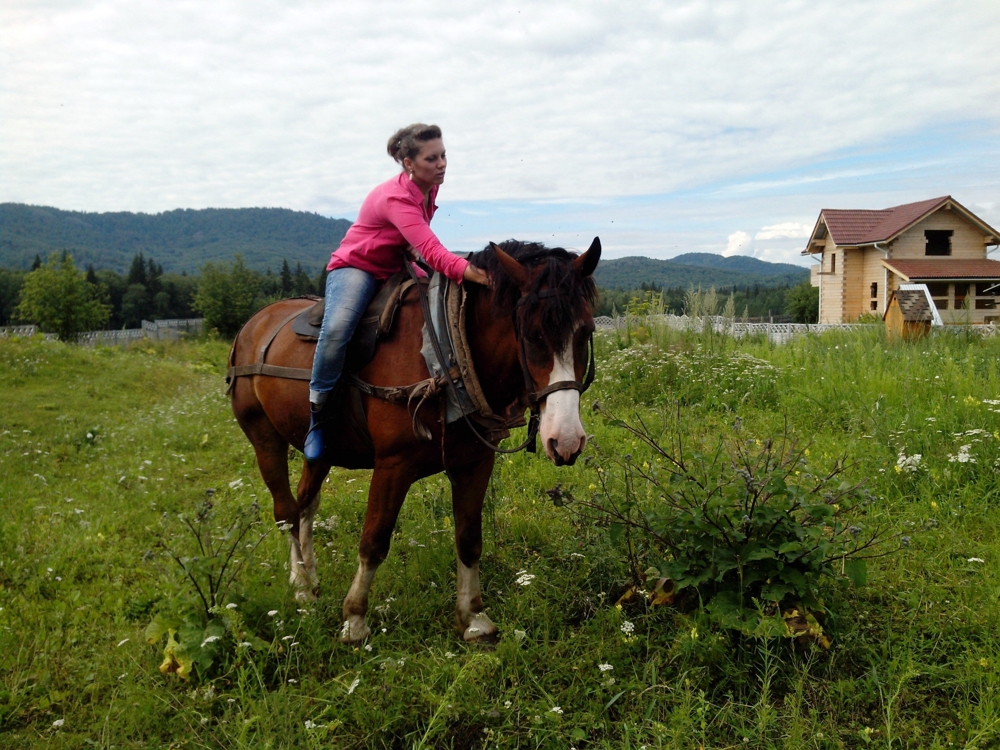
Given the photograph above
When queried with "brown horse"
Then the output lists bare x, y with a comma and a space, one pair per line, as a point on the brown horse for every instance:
528, 337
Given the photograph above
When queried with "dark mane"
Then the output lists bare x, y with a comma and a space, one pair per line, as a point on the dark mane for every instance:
560, 313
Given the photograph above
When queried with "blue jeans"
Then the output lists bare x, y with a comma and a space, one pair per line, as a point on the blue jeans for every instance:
348, 292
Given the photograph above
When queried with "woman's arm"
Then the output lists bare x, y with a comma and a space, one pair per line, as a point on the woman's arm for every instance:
408, 218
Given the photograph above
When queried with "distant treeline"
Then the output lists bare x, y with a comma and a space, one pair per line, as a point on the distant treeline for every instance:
755, 300
147, 293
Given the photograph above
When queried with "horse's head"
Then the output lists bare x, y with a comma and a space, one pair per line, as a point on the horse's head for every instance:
553, 320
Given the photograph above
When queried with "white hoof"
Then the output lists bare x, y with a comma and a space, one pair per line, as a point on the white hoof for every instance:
354, 630
480, 629
305, 595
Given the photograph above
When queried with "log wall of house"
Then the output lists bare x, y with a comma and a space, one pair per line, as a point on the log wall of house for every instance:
855, 297
831, 285
966, 240
873, 273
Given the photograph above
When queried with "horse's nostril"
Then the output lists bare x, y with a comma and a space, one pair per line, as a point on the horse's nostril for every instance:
554, 446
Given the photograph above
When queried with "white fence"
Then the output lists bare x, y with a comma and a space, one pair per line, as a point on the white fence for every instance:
775, 332
17, 331
157, 330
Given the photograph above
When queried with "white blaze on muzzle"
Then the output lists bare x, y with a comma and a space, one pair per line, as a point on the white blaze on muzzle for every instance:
561, 429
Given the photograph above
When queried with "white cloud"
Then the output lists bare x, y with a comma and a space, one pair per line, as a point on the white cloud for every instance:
116, 105
738, 242
791, 229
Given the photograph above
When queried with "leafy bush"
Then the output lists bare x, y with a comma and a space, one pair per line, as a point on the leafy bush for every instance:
197, 623
746, 527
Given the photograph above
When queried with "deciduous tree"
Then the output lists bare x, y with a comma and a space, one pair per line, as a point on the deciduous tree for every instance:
58, 299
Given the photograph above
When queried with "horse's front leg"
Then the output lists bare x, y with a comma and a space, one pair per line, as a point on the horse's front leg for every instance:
390, 483
468, 489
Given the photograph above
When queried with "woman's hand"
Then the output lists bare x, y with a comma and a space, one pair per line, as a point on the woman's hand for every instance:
476, 275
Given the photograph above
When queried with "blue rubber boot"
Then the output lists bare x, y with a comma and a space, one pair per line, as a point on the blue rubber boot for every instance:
315, 443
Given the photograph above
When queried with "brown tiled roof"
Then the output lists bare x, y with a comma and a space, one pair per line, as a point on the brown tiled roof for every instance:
944, 268
913, 305
861, 227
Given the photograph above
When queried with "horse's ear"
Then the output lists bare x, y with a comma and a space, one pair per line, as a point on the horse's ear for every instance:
587, 262
513, 269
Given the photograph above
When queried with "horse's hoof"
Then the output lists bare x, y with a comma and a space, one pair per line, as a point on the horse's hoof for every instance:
307, 595
354, 631
480, 630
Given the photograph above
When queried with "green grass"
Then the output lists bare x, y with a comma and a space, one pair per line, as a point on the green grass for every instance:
100, 450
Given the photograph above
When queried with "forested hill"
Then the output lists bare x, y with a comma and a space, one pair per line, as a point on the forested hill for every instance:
696, 269
181, 241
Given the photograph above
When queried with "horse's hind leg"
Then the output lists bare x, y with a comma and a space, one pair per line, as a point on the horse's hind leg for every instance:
302, 560
468, 490
390, 483
272, 460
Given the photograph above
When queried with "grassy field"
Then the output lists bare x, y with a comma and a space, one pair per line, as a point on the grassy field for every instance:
102, 450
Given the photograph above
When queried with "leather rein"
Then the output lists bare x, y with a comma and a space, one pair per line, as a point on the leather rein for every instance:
535, 398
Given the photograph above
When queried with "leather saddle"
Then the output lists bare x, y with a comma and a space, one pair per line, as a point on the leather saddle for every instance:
375, 324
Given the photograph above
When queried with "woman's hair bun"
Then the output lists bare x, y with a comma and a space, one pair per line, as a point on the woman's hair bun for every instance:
406, 142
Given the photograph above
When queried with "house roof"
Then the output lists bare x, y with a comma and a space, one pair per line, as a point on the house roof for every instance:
851, 227
913, 305
865, 227
944, 268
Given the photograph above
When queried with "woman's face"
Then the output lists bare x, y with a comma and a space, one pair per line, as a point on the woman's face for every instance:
429, 165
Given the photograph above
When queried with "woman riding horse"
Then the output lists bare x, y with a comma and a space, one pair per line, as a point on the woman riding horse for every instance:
395, 215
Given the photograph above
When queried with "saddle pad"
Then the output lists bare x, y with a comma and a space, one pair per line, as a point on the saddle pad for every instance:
455, 408
308, 323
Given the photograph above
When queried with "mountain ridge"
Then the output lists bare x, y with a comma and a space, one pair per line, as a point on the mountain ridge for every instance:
184, 240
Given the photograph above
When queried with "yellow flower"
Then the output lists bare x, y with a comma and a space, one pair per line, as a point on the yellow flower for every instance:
806, 451
593, 487
934, 505
899, 469
984, 662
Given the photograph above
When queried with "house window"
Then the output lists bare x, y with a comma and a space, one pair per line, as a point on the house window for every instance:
833, 263
961, 290
874, 304
874, 291
939, 292
938, 242
986, 295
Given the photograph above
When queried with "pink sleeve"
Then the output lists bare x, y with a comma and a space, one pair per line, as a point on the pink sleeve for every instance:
409, 220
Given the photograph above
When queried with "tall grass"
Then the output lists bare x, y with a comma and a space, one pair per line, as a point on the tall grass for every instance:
100, 450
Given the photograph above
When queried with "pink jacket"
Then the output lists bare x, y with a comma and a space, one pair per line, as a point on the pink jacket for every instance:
391, 218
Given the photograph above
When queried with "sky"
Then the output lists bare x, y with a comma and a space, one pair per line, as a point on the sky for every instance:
662, 127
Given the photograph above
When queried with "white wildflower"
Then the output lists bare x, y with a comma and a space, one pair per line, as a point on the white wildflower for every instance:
555, 710
524, 578
962, 456
605, 667
231, 605
627, 627
58, 723
908, 463
449, 655
357, 681
210, 639
272, 613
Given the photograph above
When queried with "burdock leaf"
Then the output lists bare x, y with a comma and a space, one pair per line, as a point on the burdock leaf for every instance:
857, 571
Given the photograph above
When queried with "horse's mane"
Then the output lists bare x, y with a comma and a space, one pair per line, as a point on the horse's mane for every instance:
560, 313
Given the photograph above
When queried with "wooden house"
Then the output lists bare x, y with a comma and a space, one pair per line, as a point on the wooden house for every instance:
866, 255
911, 312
